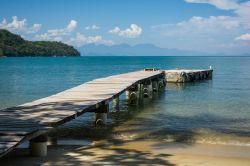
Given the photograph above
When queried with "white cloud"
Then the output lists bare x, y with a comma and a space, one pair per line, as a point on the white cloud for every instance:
131, 32
243, 37
240, 9
35, 28
116, 30
81, 40
19, 26
57, 34
71, 26
218, 25
208, 34
211, 23
221, 4
242, 16
92, 27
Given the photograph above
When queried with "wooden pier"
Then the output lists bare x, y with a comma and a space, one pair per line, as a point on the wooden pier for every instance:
32, 121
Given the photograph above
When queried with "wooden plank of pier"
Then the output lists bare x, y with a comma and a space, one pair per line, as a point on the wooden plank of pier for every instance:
27, 121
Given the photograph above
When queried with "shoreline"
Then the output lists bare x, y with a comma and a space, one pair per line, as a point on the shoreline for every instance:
120, 152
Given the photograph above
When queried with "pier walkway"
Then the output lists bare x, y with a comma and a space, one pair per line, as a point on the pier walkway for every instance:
32, 121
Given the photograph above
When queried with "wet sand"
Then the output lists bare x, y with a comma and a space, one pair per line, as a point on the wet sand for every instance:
140, 152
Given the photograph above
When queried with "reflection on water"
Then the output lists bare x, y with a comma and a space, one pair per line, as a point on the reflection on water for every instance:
177, 86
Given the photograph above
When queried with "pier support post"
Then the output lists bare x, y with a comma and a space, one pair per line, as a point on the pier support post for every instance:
196, 76
115, 104
127, 94
202, 75
101, 115
147, 90
160, 84
140, 93
155, 85
38, 146
210, 74
132, 95
161, 81
133, 100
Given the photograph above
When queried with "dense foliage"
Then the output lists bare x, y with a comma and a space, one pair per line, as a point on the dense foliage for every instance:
14, 45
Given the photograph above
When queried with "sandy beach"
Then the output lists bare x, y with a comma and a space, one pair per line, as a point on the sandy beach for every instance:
142, 152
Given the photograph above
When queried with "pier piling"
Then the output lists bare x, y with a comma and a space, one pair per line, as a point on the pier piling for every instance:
155, 85
38, 146
101, 115
148, 89
133, 94
115, 104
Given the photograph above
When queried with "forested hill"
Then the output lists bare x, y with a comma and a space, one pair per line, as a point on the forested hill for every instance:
14, 45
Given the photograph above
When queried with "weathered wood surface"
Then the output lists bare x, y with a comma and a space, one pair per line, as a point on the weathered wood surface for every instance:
24, 122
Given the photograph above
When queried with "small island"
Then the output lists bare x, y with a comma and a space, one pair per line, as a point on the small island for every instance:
12, 45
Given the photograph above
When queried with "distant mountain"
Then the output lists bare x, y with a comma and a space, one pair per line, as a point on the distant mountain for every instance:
137, 50
14, 45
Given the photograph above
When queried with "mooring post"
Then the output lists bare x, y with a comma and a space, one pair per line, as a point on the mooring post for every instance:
101, 114
38, 145
115, 104
210, 73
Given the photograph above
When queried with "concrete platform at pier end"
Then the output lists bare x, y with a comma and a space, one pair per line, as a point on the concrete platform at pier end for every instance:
187, 75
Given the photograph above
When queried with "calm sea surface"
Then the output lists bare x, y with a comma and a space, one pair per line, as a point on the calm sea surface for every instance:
216, 111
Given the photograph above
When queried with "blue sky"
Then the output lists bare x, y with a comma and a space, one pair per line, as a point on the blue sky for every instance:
213, 26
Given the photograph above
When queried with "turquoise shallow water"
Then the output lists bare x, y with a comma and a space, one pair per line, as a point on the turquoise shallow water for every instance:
216, 111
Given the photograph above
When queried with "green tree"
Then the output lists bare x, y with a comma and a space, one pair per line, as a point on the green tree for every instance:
14, 45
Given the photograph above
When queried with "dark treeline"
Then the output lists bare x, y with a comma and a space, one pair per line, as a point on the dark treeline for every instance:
14, 45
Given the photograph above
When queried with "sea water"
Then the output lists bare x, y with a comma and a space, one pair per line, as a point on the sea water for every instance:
214, 111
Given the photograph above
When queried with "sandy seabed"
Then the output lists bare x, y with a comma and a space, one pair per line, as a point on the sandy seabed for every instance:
139, 152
